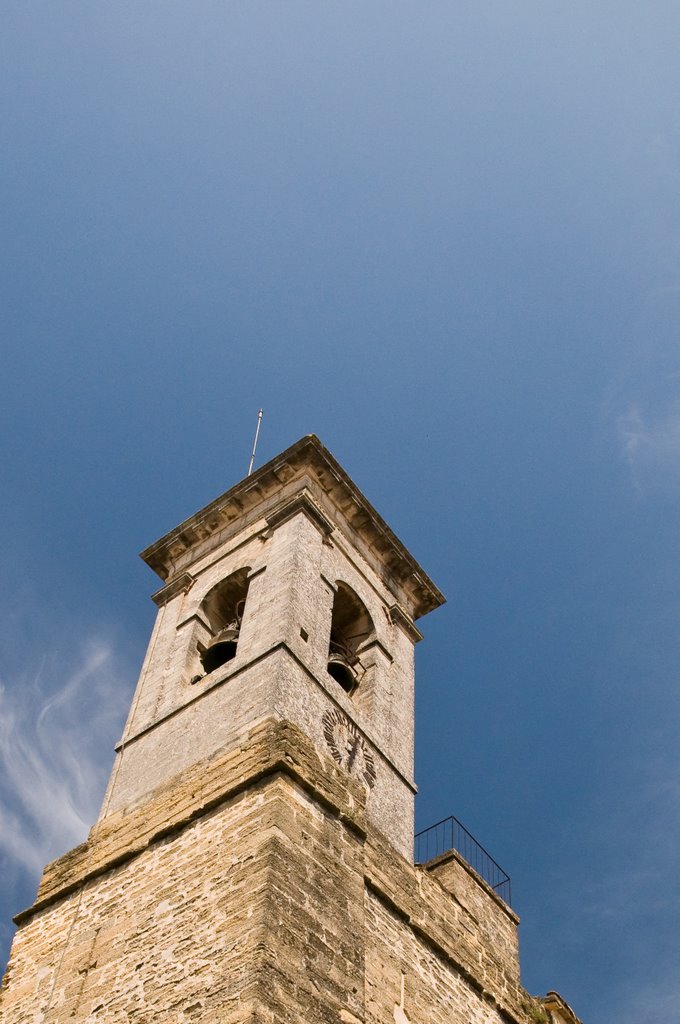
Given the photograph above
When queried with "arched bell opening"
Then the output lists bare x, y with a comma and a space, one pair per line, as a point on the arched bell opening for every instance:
223, 609
351, 625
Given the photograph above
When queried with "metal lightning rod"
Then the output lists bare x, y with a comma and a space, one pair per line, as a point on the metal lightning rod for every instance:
257, 434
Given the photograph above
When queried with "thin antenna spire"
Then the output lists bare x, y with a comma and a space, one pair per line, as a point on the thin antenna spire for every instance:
257, 434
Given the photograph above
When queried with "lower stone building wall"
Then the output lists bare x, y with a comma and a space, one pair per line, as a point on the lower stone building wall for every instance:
401, 964
313, 952
495, 923
250, 891
234, 895
172, 935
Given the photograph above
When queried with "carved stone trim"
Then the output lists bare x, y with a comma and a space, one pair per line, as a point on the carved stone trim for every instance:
373, 645
180, 584
402, 619
329, 583
553, 1002
302, 502
195, 617
256, 572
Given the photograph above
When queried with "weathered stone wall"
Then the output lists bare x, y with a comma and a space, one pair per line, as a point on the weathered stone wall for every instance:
446, 927
164, 684
171, 935
277, 685
434, 992
249, 889
496, 925
218, 900
294, 568
313, 955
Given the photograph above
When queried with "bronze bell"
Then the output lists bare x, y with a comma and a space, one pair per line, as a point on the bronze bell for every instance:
340, 669
221, 648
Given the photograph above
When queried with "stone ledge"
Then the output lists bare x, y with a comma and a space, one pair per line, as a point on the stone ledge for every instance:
179, 585
302, 502
559, 1009
402, 619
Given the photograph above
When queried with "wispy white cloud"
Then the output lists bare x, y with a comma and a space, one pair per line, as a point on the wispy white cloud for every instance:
59, 716
650, 444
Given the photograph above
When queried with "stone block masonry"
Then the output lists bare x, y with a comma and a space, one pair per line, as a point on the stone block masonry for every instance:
250, 889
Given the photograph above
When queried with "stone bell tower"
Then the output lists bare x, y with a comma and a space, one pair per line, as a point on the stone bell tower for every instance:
253, 859
288, 599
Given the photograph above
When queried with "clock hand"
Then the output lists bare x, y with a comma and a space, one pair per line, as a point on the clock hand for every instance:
353, 753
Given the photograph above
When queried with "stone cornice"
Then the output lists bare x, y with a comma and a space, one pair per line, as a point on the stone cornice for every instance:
302, 502
344, 505
554, 1003
180, 584
405, 622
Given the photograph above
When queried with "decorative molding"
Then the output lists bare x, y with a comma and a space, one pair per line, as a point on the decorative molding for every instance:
374, 644
402, 619
195, 617
329, 583
180, 584
302, 502
553, 1002
256, 572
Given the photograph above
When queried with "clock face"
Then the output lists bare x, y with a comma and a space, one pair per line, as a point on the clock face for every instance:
347, 746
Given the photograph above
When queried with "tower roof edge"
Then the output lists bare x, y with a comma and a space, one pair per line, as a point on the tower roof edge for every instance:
340, 493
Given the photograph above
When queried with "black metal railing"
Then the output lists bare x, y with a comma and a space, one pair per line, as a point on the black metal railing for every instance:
450, 834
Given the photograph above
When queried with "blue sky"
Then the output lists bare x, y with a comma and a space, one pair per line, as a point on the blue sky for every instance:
445, 238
